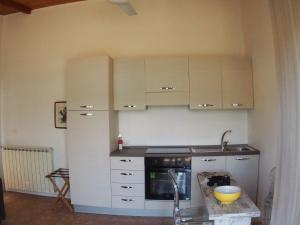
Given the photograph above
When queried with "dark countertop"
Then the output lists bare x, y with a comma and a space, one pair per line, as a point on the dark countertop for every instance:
140, 151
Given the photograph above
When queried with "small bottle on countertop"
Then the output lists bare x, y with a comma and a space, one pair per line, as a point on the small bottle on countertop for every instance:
120, 142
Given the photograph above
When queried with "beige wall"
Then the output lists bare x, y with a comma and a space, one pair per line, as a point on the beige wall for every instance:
263, 120
1, 26
36, 47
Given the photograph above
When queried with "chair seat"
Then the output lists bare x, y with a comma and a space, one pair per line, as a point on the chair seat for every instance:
193, 215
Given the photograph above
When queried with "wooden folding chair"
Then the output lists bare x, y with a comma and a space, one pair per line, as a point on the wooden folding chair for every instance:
62, 192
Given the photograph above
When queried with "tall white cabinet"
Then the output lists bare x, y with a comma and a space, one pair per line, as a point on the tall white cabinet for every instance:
90, 133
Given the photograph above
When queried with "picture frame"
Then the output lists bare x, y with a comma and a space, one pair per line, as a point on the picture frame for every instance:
60, 114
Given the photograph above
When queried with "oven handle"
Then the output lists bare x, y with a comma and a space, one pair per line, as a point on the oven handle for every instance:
167, 169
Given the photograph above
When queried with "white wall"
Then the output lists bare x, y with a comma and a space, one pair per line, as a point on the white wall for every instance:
263, 120
36, 47
181, 126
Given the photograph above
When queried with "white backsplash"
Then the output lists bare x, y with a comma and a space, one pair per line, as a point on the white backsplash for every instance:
181, 126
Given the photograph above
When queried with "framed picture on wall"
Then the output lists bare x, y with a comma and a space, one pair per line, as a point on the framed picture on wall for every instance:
60, 114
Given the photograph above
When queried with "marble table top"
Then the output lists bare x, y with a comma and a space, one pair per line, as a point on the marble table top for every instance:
243, 207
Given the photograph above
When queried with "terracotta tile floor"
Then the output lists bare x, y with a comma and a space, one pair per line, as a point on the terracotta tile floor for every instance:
22, 209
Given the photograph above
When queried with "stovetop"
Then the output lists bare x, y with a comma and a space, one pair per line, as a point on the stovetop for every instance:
168, 151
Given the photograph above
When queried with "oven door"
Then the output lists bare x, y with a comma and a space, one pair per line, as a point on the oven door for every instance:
159, 187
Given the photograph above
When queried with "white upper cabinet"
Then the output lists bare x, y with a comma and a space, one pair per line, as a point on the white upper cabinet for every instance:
205, 82
167, 81
237, 83
129, 83
88, 83
202, 82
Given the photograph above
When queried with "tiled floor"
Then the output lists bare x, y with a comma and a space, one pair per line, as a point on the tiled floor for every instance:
24, 209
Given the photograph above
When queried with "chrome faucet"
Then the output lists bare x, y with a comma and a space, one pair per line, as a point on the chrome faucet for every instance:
224, 143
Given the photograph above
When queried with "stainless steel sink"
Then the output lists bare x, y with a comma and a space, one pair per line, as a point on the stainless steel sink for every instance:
238, 149
227, 149
203, 150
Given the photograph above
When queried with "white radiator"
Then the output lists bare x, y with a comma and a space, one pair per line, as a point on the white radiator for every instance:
25, 169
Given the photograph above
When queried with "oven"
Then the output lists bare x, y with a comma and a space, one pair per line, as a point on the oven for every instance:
157, 181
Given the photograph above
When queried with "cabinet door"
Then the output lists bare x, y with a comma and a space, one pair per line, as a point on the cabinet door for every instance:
127, 163
204, 164
245, 170
166, 74
237, 83
129, 84
128, 202
205, 82
179, 98
128, 189
88, 155
88, 83
128, 176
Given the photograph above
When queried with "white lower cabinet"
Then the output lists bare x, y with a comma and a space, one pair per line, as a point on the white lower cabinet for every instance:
204, 164
128, 189
127, 163
127, 176
244, 169
128, 202
128, 182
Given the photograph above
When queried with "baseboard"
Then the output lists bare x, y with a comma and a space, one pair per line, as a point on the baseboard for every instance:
52, 194
123, 212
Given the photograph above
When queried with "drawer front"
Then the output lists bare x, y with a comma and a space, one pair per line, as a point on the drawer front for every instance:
128, 202
127, 176
127, 163
128, 189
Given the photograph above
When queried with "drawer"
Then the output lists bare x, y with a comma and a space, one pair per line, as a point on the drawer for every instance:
128, 189
127, 176
127, 163
128, 202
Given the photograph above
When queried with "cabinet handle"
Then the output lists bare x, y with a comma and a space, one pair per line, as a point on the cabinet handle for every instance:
129, 106
126, 160
205, 105
208, 160
126, 187
167, 88
127, 199
126, 174
236, 104
242, 158
87, 106
86, 114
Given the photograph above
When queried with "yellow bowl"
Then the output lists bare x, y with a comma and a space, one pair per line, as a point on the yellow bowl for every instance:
227, 194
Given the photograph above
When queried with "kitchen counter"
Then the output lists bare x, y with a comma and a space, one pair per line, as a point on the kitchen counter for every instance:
203, 150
